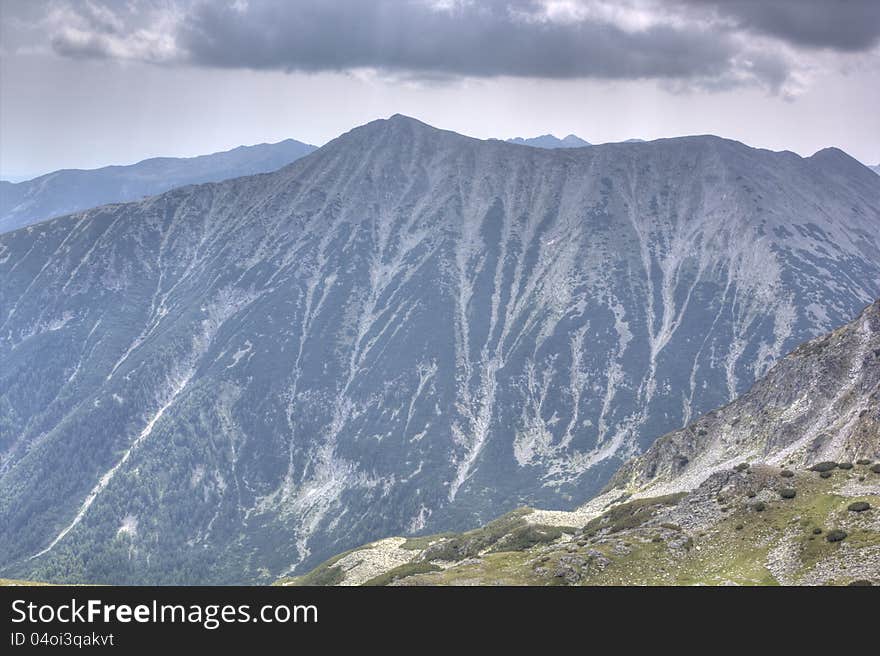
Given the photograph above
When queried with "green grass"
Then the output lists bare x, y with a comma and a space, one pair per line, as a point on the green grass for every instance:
402, 572
630, 515
635, 543
327, 573
504, 568
528, 536
725, 554
472, 543
423, 542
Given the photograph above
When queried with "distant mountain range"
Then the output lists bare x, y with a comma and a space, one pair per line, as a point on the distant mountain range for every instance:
72, 190
876, 169
407, 331
782, 486
549, 141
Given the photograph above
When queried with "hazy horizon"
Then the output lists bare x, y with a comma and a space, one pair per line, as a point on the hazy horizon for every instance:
15, 178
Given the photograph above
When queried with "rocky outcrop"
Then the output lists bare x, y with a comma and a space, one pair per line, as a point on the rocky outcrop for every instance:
819, 403
755, 525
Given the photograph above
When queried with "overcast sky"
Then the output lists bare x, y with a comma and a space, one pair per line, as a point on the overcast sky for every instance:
84, 83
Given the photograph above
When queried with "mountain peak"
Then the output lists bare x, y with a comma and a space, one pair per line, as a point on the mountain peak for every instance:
550, 141
398, 117
395, 131
395, 122
402, 120
835, 159
574, 141
834, 154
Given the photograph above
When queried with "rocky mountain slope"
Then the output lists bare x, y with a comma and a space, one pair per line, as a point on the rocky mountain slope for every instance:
407, 331
550, 141
760, 525
73, 190
693, 509
821, 402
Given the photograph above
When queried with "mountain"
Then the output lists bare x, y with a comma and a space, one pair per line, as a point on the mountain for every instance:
407, 331
819, 403
549, 141
759, 525
693, 509
73, 190
876, 169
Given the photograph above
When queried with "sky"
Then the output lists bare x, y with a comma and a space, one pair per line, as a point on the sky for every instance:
86, 83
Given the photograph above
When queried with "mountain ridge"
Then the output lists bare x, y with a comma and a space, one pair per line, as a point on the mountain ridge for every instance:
550, 141
408, 328
69, 190
820, 423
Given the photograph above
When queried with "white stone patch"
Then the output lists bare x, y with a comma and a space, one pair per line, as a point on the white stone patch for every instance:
129, 526
373, 560
419, 522
198, 474
240, 353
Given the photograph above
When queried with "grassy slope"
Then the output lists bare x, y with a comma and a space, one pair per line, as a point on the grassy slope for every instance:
642, 542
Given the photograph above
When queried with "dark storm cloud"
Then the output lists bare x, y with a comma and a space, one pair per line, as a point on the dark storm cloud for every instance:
843, 25
479, 39
706, 43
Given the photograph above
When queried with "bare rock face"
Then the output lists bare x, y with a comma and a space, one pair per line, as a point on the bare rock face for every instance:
406, 331
683, 513
821, 403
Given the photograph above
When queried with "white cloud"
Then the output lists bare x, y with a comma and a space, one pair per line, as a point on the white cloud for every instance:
133, 31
